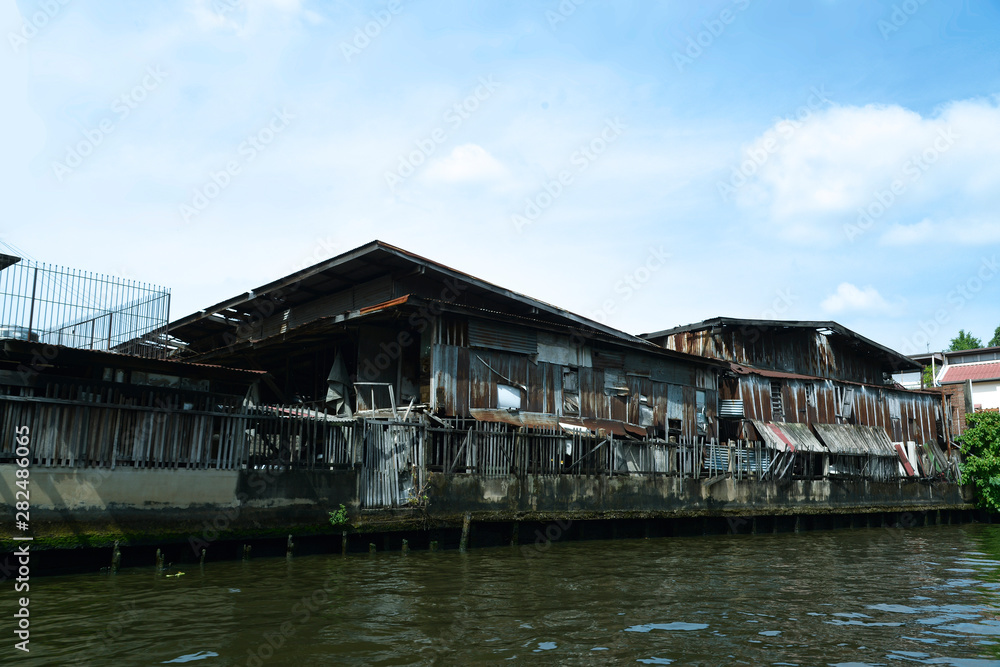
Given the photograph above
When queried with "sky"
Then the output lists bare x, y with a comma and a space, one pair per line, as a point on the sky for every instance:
644, 164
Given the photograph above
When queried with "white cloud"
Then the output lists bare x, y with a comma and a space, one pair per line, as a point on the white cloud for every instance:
965, 232
466, 163
850, 298
922, 232
812, 178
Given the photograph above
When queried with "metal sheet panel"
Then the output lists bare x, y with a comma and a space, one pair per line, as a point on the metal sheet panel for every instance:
779, 435
855, 440
731, 408
496, 336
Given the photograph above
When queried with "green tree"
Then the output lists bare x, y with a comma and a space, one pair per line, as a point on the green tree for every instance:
964, 341
928, 376
995, 341
981, 446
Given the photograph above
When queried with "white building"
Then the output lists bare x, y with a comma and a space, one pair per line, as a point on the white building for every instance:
981, 366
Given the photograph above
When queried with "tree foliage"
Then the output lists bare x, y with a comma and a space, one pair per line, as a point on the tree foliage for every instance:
928, 376
981, 446
995, 341
964, 341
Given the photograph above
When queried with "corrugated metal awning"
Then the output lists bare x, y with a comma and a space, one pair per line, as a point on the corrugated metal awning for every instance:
785, 437
855, 440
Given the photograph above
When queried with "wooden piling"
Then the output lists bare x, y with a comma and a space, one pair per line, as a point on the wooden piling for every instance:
246, 552
343, 543
371, 547
406, 547
116, 559
466, 524
201, 561
515, 529
289, 547
159, 561
433, 546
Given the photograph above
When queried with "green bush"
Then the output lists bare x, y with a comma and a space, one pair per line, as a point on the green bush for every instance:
338, 517
981, 446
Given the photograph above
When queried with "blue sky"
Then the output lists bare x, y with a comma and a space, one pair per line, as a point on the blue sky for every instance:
645, 164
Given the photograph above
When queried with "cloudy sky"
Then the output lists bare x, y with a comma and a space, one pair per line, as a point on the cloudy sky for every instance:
647, 164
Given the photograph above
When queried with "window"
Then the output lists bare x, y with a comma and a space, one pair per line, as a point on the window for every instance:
508, 398
700, 416
777, 410
571, 391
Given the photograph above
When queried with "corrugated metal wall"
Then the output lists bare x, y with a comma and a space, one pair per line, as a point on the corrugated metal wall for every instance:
795, 351
904, 415
467, 378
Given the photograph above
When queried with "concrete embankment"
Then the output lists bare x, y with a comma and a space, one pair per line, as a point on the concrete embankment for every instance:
77, 516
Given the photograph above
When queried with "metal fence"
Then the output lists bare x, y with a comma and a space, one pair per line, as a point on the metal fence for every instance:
104, 425
60, 306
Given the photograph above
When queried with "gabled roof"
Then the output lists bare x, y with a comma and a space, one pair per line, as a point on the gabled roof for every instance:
828, 327
976, 372
375, 260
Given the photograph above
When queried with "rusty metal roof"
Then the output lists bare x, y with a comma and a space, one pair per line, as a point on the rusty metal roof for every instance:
785, 437
900, 362
855, 440
370, 261
743, 369
29, 350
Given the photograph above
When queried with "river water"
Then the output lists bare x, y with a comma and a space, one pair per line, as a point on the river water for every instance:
878, 596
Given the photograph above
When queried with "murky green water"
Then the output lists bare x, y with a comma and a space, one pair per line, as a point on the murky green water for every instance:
876, 597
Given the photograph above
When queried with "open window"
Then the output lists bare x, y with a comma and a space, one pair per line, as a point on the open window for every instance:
571, 391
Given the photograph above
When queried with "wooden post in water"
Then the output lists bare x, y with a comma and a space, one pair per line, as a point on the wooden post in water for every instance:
433, 546
116, 559
463, 545
343, 543
798, 523
514, 530
246, 552
406, 547
290, 546
371, 547
201, 561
